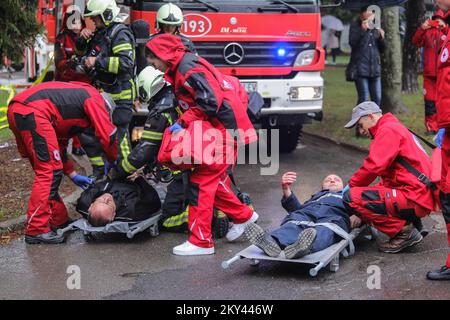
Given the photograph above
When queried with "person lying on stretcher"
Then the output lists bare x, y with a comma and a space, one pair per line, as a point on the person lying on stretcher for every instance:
295, 238
118, 200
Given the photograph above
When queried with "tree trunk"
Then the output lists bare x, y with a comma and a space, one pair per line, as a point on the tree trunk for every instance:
391, 63
415, 12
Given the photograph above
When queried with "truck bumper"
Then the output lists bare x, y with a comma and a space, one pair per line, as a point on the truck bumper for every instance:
301, 94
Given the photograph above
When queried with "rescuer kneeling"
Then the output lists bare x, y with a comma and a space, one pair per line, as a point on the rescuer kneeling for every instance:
395, 205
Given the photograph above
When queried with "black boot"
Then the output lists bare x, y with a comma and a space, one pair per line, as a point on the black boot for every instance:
440, 274
220, 224
98, 173
46, 238
444, 272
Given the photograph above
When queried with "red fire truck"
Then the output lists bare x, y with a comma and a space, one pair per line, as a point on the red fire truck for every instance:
273, 47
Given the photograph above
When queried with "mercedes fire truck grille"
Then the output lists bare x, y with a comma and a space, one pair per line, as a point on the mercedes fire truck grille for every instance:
251, 54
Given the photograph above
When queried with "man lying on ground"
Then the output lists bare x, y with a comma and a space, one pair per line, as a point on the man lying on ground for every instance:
295, 238
118, 200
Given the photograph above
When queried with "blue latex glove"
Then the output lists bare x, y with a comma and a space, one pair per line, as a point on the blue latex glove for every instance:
175, 127
109, 166
439, 137
82, 181
347, 187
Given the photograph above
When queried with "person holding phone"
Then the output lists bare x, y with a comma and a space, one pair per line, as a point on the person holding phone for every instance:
430, 36
367, 42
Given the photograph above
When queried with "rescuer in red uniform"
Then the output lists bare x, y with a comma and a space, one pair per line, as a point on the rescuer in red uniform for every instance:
43, 119
394, 205
206, 95
65, 55
443, 115
430, 37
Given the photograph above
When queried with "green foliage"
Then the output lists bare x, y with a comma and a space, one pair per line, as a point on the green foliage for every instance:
18, 27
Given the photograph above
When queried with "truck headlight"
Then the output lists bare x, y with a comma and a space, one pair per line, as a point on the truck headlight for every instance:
304, 58
305, 93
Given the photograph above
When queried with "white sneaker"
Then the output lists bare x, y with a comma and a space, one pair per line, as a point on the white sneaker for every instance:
238, 228
189, 249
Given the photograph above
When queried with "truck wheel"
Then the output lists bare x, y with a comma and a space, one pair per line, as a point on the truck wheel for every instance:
289, 136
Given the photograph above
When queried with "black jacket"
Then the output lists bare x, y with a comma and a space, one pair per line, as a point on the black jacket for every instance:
162, 115
135, 201
115, 66
366, 48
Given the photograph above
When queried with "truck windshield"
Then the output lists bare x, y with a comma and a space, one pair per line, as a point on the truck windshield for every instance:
227, 6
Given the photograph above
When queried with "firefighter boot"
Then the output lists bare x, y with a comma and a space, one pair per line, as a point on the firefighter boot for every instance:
407, 237
220, 224
256, 235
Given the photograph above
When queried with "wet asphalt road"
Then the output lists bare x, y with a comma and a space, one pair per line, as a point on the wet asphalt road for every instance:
144, 268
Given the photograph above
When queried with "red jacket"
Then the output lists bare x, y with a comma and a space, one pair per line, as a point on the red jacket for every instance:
443, 86
64, 52
431, 40
391, 139
200, 88
71, 107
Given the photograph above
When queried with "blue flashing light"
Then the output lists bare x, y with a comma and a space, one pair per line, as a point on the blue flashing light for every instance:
281, 52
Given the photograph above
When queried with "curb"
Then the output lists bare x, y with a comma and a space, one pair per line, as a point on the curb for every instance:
16, 224
336, 142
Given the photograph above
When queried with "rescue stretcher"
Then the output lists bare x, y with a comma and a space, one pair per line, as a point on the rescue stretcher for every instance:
318, 260
130, 228
126, 227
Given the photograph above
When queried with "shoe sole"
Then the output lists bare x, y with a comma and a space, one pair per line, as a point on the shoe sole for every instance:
252, 219
256, 236
35, 241
415, 240
302, 246
437, 277
184, 253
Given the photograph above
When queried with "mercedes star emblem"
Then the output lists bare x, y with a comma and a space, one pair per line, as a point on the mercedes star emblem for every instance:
233, 53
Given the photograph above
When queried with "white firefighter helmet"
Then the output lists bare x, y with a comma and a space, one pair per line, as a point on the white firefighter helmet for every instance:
169, 14
150, 82
106, 9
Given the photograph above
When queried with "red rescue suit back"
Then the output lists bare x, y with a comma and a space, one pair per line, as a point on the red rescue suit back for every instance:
43, 119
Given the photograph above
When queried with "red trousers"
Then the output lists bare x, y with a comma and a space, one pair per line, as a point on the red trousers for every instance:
429, 93
36, 139
209, 188
445, 185
385, 209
